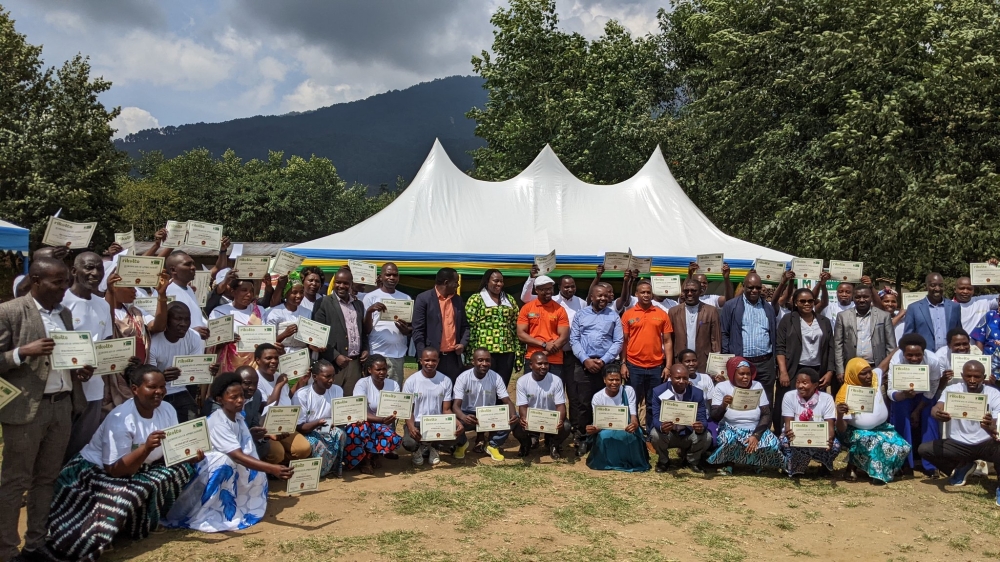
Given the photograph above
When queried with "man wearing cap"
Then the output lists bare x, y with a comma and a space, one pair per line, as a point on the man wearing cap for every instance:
543, 325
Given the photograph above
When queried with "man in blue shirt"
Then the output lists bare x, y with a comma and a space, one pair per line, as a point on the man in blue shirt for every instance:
933, 317
596, 337
693, 440
748, 330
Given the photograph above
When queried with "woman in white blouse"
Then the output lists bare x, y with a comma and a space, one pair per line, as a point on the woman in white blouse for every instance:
368, 442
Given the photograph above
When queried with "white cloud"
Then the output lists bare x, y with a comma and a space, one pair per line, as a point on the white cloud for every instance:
65, 21
165, 60
310, 95
132, 120
272, 69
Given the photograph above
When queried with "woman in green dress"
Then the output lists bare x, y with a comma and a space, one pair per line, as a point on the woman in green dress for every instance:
492, 316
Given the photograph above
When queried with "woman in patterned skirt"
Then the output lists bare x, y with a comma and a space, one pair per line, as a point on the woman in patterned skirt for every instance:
745, 436
327, 442
375, 438
808, 404
492, 316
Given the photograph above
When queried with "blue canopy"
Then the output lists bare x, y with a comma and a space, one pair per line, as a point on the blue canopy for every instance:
13, 237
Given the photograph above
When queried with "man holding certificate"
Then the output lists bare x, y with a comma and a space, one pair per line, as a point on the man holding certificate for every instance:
680, 422
347, 347
970, 438
432, 394
181, 268
386, 336
177, 340
696, 325
540, 392
480, 390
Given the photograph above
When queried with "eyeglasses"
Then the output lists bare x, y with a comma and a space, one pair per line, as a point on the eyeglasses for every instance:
752, 288
806, 301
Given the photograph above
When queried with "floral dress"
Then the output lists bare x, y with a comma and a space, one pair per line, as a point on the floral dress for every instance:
988, 334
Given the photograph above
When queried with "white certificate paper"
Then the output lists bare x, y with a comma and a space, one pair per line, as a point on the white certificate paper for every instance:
8, 392
911, 377
73, 350
716, 364
399, 404
666, 285
437, 428
73, 235
642, 265
126, 240
965, 405
220, 330
281, 419
294, 364
312, 332
812, 435
139, 271
202, 286
148, 304
678, 413
745, 399
546, 263
610, 417
253, 336
910, 298
305, 476
770, 271
348, 410
492, 418
806, 268
396, 309
363, 272
176, 234
861, 399
112, 355
617, 261
195, 369
251, 267
204, 235
285, 263
846, 271
184, 440
958, 361
710, 263
984, 274
543, 421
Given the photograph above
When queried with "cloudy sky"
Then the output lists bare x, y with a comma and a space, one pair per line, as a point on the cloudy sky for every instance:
183, 61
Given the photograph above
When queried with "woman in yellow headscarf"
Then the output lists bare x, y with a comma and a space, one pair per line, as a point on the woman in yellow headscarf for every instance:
872, 443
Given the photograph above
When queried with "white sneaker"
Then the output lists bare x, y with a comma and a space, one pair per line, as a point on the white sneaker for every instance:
418, 455
982, 469
434, 457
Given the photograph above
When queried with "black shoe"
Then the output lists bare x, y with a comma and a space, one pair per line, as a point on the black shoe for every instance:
523, 451
696, 469
662, 467
534, 442
29, 556
581, 448
391, 456
554, 453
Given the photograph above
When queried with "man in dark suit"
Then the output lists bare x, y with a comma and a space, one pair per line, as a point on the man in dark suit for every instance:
704, 318
933, 316
748, 330
36, 423
347, 347
439, 321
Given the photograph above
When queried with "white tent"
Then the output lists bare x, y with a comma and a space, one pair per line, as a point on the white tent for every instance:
446, 217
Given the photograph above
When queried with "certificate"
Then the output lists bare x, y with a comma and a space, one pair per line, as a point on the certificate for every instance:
312, 332
348, 410
813, 435
965, 405
911, 377
861, 399
546, 263
716, 364
437, 428
281, 419
202, 286
984, 274
252, 336
678, 413
958, 360
710, 263
251, 267
73, 235
910, 298
126, 240
112, 355
220, 330
492, 418
616, 261
294, 364
73, 350
399, 404
8, 392
745, 399
396, 309
305, 476
363, 272
846, 271
666, 285
805, 268
610, 417
184, 440
195, 369
148, 304
139, 271
176, 234
285, 263
543, 421
770, 271
643, 265
204, 235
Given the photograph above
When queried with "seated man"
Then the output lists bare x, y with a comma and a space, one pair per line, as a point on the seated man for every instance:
543, 391
432, 397
480, 386
693, 441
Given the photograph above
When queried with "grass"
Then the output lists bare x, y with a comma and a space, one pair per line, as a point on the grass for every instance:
798, 552
253, 542
962, 543
401, 545
721, 548
309, 517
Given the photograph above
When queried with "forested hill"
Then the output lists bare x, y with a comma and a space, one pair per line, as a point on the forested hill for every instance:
370, 141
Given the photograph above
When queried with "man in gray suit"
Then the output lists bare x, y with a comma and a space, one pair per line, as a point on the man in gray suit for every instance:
863, 331
36, 424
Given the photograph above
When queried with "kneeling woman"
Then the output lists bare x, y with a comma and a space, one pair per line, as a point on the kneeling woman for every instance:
314, 418
872, 443
118, 485
808, 404
230, 492
368, 442
614, 449
745, 436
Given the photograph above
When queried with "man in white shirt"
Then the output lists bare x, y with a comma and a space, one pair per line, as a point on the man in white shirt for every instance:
714, 300
388, 337
177, 339
181, 268
432, 396
973, 308
543, 391
90, 314
481, 387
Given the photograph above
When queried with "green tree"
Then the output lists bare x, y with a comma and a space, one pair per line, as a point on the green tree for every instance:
55, 139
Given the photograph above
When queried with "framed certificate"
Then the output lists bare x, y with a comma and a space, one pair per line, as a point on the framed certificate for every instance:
139, 271
126, 240
148, 304
8, 392
312, 332
716, 364
770, 271
73, 350
861, 399
251, 267
643, 265
176, 234
184, 440
204, 235
812, 435
806, 268
294, 364
546, 263
202, 287
678, 413
542, 421
285, 263
363, 272
73, 235
611, 417
112, 355
348, 410
846, 271
281, 419
965, 405
220, 330
745, 399
492, 418
616, 261
958, 361
666, 285
252, 336
710, 263
437, 428
305, 475
911, 377
195, 369
984, 274
396, 309
909, 298
399, 404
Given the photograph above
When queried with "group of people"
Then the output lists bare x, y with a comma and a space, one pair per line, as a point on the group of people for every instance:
87, 449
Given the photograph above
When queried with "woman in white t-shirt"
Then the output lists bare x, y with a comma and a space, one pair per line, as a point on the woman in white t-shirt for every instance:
808, 404
872, 443
368, 442
614, 449
327, 441
286, 315
745, 436
120, 471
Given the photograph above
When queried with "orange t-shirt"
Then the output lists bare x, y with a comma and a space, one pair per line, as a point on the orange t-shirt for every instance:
544, 321
448, 343
645, 329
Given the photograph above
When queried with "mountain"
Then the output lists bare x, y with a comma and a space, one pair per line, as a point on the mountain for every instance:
370, 141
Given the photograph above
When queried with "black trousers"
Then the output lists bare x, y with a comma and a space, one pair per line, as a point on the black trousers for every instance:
948, 454
766, 375
451, 364
523, 436
503, 365
586, 385
184, 404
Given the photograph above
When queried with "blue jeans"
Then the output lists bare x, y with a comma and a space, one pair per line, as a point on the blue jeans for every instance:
643, 381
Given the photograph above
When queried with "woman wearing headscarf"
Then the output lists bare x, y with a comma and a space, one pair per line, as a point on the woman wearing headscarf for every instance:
808, 404
492, 316
245, 313
285, 316
745, 436
872, 443
804, 339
